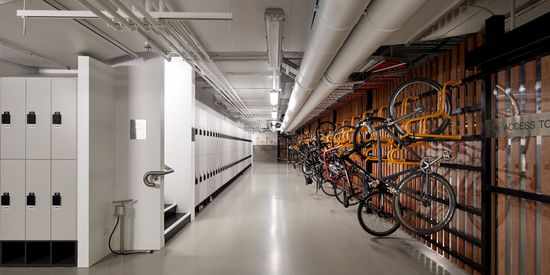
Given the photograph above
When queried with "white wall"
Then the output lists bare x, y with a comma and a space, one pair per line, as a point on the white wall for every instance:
96, 159
264, 138
139, 95
212, 152
264, 146
179, 150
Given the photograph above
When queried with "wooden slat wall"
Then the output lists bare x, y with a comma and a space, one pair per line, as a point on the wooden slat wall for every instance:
518, 245
467, 184
522, 164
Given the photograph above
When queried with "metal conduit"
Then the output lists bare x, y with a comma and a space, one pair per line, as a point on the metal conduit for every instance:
181, 40
382, 19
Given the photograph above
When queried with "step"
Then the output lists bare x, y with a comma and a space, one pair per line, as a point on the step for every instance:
174, 224
169, 209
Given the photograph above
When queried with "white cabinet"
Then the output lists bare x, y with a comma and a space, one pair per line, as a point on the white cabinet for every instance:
12, 189
38, 119
12, 109
63, 116
38, 201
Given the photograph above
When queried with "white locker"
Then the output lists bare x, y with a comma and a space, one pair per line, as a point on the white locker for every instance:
38, 200
38, 118
197, 196
198, 142
63, 196
12, 102
12, 189
203, 190
63, 115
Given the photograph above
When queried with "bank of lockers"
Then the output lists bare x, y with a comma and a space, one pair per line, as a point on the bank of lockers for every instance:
38, 158
218, 144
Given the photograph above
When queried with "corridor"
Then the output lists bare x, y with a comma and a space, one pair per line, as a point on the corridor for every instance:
269, 222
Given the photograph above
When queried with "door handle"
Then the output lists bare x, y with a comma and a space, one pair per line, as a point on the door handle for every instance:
151, 176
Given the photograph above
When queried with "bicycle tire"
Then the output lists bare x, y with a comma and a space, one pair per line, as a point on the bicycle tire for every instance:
368, 207
393, 101
342, 194
306, 168
328, 188
436, 225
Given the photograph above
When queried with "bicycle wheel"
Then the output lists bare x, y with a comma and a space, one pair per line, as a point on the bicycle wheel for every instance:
327, 187
347, 193
375, 214
424, 203
307, 168
418, 96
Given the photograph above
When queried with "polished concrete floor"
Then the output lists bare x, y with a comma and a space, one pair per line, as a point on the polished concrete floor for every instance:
269, 222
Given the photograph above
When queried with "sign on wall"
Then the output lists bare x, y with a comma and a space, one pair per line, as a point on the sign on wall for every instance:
519, 126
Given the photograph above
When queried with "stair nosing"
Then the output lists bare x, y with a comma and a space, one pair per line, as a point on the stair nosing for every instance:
170, 207
176, 223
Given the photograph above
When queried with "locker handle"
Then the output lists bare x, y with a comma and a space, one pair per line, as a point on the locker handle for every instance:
56, 118
56, 199
6, 199
6, 118
31, 199
31, 118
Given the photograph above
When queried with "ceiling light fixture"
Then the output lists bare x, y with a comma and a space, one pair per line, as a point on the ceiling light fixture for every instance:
274, 114
274, 97
274, 18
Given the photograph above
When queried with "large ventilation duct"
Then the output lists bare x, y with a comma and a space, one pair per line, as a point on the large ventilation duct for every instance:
382, 19
333, 23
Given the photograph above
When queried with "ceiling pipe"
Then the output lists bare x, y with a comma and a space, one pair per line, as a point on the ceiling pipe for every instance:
134, 21
97, 31
184, 43
142, 25
382, 19
113, 24
332, 25
113, 10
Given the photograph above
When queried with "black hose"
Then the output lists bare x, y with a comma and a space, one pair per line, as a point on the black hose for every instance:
121, 252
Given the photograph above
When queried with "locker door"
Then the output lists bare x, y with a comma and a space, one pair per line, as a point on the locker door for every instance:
12, 185
38, 118
63, 194
38, 215
12, 102
64, 124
